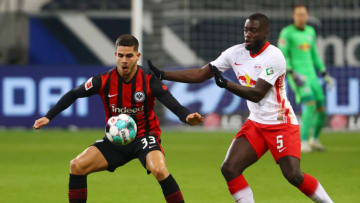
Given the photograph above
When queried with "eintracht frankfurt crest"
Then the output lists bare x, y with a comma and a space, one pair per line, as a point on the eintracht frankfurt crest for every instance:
139, 96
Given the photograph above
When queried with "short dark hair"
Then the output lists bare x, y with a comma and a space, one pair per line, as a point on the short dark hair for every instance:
128, 41
300, 5
263, 19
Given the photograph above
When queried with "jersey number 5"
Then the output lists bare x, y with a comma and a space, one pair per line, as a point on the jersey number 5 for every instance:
279, 141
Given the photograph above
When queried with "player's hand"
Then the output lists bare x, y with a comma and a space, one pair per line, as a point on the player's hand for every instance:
329, 81
194, 119
299, 79
219, 79
158, 73
41, 122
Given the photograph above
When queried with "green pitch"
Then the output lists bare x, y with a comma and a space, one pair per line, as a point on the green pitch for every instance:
34, 167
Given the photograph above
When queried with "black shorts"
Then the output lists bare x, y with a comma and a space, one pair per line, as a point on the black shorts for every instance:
117, 155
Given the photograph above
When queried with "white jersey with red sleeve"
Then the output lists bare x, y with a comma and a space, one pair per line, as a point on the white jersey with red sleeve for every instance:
268, 64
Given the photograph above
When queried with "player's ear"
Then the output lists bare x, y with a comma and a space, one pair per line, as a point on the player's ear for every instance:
138, 54
115, 53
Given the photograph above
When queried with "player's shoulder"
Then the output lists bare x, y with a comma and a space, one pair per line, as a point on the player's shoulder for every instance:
287, 29
235, 49
274, 51
310, 29
275, 55
146, 72
104, 74
107, 72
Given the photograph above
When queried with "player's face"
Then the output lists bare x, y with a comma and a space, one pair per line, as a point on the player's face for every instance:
254, 34
300, 17
126, 58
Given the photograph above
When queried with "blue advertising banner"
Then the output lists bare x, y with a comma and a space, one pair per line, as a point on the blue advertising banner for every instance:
28, 92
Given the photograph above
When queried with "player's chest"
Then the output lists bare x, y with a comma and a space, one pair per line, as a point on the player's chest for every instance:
302, 41
247, 70
126, 99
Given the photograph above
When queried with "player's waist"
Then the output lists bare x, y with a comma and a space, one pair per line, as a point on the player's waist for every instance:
274, 117
302, 64
275, 125
154, 131
275, 121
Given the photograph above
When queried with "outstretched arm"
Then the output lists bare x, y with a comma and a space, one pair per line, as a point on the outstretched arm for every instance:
254, 94
161, 92
68, 99
195, 75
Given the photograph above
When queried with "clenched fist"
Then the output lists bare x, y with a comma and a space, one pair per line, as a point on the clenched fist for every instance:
41, 122
194, 119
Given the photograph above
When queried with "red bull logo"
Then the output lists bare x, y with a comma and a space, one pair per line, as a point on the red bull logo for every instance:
245, 79
304, 46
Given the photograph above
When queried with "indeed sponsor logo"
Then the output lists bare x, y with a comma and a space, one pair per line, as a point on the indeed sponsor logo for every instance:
126, 110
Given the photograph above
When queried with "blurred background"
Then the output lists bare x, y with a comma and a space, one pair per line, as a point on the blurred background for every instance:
50, 46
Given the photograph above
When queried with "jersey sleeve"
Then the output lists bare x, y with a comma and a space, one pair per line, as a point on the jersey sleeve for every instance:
223, 62
274, 68
284, 46
90, 87
315, 55
161, 92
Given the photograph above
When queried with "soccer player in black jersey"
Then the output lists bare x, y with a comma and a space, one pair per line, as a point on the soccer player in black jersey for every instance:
124, 89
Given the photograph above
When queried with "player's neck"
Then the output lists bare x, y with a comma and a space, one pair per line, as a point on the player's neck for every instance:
129, 76
300, 27
258, 48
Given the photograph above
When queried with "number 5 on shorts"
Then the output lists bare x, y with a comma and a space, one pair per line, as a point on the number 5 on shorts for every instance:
279, 141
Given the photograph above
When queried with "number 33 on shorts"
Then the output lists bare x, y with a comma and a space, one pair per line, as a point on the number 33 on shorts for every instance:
148, 141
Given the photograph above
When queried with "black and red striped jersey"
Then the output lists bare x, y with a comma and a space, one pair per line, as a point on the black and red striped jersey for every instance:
135, 98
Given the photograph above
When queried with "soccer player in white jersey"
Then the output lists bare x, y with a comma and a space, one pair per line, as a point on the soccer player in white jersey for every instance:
260, 68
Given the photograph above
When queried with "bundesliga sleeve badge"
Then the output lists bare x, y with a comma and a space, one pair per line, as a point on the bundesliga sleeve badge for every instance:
88, 84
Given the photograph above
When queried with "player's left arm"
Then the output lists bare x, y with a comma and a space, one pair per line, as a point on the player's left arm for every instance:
315, 55
254, 94
319, 64
161, 92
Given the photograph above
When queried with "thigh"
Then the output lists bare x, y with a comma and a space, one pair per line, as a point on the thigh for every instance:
155, 163
155, 159
91, 160
115, 155
283, 140
290, 168
145, 145
239, 156
289, 164
318, 93
254, 137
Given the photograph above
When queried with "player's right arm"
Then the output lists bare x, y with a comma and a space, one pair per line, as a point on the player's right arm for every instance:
88, 88
195, 75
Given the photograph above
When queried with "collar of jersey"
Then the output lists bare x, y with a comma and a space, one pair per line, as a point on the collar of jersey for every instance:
133, 78
261, 50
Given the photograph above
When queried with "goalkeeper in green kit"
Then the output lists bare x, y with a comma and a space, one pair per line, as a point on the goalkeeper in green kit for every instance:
298, 44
